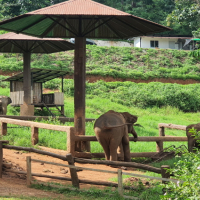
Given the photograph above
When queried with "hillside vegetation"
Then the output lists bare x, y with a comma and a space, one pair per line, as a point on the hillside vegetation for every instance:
125, 63
116, 62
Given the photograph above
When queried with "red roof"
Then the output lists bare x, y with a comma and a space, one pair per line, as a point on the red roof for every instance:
79, 7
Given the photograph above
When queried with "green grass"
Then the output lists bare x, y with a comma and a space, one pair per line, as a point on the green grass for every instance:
148, 118
117, 62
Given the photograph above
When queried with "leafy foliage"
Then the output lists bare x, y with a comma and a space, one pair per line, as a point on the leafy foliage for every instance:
187, 173
186, 13
154, 94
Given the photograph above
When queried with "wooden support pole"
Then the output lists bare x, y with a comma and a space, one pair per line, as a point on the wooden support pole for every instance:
71, 141
79, 91
1, 159
34, 135
28, 168
73, 172
160, 143
164, 172
3, 128
120, 182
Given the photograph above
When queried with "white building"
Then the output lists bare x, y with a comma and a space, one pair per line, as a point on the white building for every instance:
163, 42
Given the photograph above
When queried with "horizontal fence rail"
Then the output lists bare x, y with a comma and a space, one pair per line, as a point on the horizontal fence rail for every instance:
73, 169
39, 118
72, 138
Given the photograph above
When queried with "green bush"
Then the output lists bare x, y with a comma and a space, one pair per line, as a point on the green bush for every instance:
4, 84
143, 95
187, 174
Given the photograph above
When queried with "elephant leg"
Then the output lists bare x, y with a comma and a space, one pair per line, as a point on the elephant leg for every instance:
114, 143
105, 144
4, 110
120, 151
191, 144
126, 148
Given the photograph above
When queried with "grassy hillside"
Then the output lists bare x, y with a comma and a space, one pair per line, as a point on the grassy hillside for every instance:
117, 62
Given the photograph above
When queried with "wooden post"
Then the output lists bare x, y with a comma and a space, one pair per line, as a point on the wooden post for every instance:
79, 91
160, 143
28, 168
34, 135
164, 172
27, 109
120, 182
1, 159
71, 141
73, 172
3, 128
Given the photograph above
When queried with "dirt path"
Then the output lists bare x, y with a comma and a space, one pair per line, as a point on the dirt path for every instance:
15, 185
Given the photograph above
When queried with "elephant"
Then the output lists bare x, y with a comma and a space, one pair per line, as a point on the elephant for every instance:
192, 142
112, 130
4, 102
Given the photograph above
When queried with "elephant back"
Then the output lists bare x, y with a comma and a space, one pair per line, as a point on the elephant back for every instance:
109, 120
195, 126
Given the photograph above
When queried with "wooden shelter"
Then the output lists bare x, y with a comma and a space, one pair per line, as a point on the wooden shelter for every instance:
38, 98
81, 19
20, 43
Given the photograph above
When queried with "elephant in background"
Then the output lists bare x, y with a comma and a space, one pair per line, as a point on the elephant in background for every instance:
4, 102
112, 130
192, 142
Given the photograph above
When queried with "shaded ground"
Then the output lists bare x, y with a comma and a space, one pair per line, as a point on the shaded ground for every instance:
15, 185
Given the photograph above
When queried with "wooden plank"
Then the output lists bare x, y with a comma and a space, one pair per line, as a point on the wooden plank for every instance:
36, 124
34, 135
73, 172
59, 98
71, 142
3, 128
165, 173
160, 143
1, 158
36, 151
74, 167
31, 118
163, 138
119, 163
102, 155
173, 126
28, 168
139, 139
120, 182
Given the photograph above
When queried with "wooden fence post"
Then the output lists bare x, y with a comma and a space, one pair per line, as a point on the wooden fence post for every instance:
1, 159
164, 172
160, 143
120, 182
34, 135
73, 171
71, 141
28, 168
3, 128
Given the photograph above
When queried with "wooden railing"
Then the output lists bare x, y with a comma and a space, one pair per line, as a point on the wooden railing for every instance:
72, 138
73, 169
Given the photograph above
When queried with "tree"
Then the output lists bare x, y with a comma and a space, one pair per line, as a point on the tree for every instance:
186, 13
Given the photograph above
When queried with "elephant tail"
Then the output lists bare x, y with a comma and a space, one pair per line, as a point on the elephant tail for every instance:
110, 127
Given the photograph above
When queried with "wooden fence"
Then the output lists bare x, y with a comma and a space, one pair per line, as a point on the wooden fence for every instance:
72, 139
73, 169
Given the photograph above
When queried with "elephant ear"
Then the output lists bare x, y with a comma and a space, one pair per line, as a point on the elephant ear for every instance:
129, 118
9, 100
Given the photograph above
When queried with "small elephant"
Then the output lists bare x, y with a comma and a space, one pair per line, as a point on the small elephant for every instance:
112, 130
192, 142
4, 102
